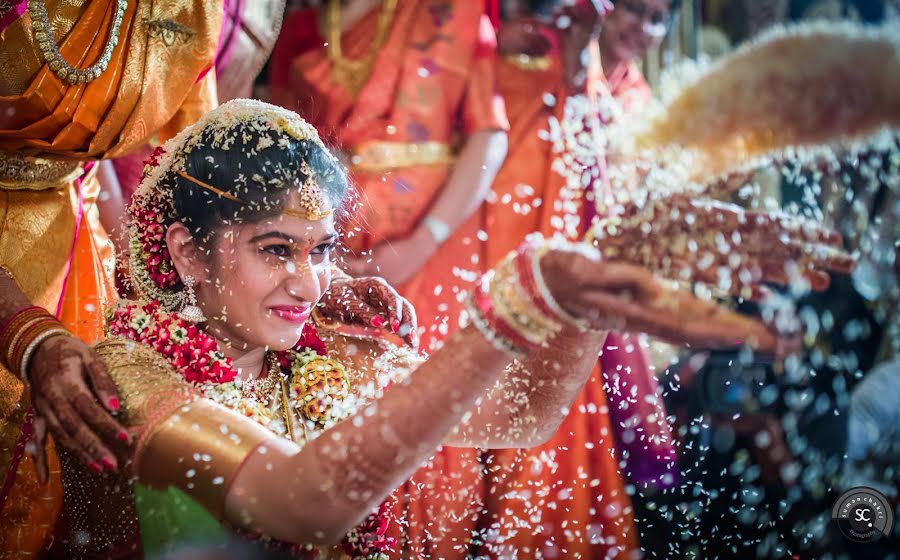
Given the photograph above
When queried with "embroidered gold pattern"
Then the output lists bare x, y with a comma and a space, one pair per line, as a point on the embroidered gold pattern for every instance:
381, 156
528, 62
351, 73
21, 172
168, 31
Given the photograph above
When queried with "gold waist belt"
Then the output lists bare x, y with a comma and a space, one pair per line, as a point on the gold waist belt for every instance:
19, 172
528, 62
378, 156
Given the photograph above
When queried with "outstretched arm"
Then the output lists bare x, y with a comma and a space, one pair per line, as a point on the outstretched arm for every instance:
316, 494
526, 406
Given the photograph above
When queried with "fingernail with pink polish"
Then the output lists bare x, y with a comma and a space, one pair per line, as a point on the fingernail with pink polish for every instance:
95, 466
109, 463
395, 325
122, 436
377, 321
113, 403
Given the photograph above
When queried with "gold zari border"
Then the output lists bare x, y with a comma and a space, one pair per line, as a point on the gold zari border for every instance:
19, 172
377, 157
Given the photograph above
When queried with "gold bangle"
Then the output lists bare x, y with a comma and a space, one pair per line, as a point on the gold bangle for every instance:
512, 291
548, 298
25, 324
514, 307
33, 345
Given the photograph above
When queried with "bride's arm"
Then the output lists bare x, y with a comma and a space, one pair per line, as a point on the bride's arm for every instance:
253, 479
320, 492
527, 405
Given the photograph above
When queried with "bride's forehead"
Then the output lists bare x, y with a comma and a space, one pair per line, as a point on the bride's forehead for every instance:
297, 228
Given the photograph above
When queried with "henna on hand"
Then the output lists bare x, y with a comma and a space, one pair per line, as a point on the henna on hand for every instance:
370, 302
67, 379
721, 244
624, 297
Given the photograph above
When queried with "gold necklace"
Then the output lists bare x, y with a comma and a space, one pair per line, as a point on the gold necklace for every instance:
353, 74
261, 388
43, 36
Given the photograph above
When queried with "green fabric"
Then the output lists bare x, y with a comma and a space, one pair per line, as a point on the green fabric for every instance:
169, 518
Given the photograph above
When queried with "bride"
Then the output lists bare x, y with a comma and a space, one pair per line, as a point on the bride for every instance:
247, 414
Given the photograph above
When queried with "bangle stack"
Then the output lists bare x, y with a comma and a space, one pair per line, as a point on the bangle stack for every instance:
21, 335
530, 254
513, 309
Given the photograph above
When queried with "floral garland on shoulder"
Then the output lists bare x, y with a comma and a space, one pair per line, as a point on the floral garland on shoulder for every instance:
319, 387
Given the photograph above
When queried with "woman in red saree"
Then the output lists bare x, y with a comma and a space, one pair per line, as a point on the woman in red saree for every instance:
407, 91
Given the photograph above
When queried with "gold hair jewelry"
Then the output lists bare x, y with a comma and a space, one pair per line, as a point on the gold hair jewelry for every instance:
209, 187
313, 205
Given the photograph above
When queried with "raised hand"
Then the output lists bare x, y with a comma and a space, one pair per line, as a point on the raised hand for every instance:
370, 303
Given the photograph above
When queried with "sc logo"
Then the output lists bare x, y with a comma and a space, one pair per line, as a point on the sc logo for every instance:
863, 514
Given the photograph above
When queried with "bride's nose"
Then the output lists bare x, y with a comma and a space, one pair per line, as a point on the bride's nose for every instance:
304, 284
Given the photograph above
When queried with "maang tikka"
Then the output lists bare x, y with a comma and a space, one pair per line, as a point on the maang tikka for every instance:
313, 205
190, 311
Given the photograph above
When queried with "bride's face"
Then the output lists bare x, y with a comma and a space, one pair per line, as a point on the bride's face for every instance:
262, 280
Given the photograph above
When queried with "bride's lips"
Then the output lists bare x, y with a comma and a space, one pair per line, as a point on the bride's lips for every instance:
296, 314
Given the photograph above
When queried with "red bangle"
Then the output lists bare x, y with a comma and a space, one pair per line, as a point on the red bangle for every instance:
524, 257
20, 332
20, 315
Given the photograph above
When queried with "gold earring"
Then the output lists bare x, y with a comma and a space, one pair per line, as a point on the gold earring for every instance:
190, 311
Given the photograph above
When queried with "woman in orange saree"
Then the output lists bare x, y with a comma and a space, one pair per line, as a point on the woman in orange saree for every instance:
51, 133
565, 498
399, 91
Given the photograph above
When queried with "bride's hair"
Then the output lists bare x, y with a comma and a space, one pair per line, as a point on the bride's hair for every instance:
260, 168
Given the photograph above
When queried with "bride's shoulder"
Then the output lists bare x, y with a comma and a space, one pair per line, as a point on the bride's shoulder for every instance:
123, 354
148, 386
133, 363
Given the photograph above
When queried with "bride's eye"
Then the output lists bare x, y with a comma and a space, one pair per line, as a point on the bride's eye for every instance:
322, 250
281, 251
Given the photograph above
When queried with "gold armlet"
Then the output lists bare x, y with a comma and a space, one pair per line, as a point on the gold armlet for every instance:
181, 439
199, 449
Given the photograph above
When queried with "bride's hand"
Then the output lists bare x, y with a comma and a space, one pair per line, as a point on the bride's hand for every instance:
369, 302
626, 297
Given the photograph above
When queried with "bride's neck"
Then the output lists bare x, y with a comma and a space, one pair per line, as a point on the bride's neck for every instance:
249, 364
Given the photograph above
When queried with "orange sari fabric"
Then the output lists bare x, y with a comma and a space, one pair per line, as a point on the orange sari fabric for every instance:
433, 80
51, 238
566, 498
